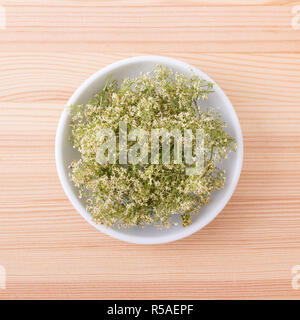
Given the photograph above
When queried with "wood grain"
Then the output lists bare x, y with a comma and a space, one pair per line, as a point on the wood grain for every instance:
49, 48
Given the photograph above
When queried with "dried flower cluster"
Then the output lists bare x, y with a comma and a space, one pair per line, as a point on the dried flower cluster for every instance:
147, 194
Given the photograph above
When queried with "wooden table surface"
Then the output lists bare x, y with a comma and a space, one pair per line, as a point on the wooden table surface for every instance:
48, 48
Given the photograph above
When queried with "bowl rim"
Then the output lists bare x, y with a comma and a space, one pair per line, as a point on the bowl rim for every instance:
164, 238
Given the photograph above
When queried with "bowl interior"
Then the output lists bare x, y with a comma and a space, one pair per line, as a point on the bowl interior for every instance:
132, 68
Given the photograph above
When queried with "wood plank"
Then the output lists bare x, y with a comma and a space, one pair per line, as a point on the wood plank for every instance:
248, 251
169, 29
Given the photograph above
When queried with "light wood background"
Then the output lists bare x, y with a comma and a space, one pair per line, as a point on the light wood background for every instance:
250, 48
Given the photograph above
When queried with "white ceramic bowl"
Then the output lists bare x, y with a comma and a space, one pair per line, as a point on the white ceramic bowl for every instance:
132, 67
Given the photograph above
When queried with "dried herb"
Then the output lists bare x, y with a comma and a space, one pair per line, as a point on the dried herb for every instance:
148, 194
